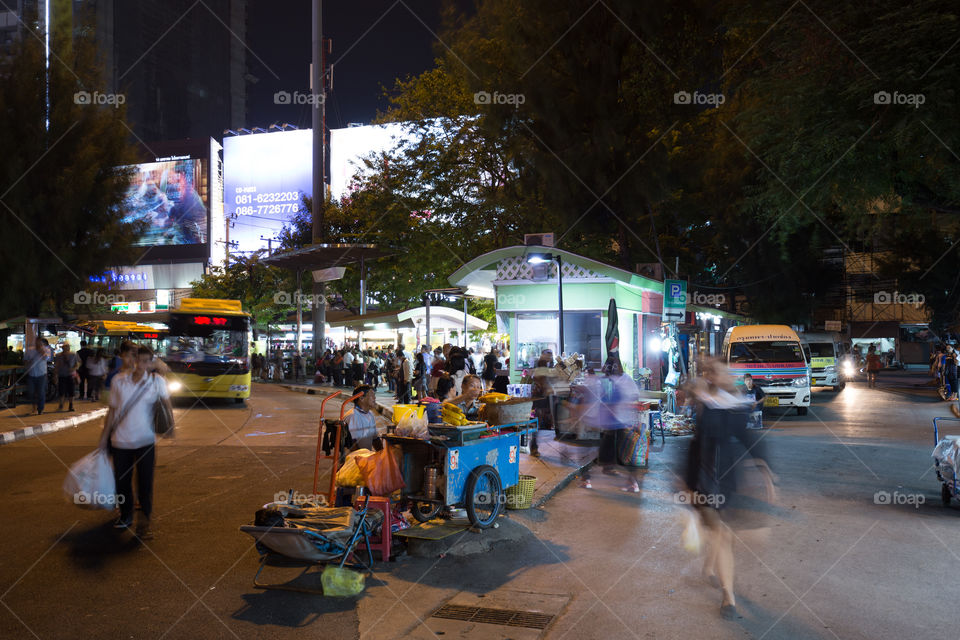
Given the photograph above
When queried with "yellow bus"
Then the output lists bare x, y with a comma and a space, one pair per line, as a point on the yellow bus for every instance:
207, 347
108, 334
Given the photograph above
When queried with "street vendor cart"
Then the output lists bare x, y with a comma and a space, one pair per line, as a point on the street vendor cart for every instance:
466, 466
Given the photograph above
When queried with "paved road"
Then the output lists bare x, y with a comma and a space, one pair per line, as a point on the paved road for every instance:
839, 565
66, 573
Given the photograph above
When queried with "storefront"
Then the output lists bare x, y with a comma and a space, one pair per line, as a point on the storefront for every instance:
523, 281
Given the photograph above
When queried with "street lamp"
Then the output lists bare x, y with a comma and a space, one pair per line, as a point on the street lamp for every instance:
544, 258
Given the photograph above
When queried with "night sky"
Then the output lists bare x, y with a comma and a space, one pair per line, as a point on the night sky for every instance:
279, 33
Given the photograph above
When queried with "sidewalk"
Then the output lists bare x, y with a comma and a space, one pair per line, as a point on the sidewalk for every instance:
559, 463
19, 423
912, 382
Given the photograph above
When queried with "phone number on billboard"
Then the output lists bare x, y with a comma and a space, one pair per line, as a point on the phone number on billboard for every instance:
267, 198
267, 209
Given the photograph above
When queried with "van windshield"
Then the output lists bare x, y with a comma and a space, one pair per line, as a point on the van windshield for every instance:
765, 351
821, 349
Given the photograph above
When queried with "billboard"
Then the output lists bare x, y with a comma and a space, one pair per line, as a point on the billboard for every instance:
349, 147
265, 176
171, 197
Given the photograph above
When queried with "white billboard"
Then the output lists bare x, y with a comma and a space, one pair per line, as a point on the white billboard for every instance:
349, 147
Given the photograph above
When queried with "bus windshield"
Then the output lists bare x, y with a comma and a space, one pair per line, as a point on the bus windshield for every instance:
208, 339
765, 351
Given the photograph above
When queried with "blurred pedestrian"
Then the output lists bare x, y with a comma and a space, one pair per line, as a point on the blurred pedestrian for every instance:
66, 364
728, 476
35, 361
873, 368
96, 371
489, 368
83, 354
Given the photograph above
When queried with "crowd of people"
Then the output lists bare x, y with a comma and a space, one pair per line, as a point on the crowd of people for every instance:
410, 376
80, 375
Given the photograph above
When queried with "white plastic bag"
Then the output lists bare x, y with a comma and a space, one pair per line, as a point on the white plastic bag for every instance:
90, 483
410, 426
691, 533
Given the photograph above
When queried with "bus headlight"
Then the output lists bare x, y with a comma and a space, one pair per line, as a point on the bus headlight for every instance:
174, 385
800, 382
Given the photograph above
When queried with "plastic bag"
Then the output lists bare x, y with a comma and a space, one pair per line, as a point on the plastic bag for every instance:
410, 426
90, 483
691, 538
381, 472
349, 474
341, 582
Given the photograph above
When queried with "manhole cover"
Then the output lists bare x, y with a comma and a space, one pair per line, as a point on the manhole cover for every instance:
504, 617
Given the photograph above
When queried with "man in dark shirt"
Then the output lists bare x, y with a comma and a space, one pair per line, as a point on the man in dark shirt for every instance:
83, 354
755, 420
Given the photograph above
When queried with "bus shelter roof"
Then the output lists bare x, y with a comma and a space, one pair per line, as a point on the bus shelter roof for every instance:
324, 256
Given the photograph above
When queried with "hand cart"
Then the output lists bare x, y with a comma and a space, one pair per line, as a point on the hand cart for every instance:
461, 466
949, 485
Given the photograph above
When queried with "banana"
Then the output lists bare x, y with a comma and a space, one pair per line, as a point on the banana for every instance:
494, 398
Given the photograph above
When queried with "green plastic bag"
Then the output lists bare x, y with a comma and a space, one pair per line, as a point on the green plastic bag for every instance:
341, 581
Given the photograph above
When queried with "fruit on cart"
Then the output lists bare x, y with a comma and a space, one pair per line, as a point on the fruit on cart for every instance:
494, 398
452, 414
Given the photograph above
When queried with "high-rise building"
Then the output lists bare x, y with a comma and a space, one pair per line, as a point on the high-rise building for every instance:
182, 65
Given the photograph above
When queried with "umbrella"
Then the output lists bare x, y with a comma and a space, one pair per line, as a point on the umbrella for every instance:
613, 331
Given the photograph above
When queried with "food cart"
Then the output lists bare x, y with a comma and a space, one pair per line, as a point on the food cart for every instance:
466, 466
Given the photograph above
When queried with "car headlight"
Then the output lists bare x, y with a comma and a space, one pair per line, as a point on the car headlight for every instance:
174, 385
849, 369
830, 369
801, 382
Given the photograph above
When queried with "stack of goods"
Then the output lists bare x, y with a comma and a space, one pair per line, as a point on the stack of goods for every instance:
677, 424
452, 414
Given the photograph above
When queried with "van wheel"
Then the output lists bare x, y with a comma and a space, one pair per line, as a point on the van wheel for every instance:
840, 387
801, 411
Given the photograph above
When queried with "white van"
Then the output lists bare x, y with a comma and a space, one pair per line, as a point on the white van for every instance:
773, 355
824, 352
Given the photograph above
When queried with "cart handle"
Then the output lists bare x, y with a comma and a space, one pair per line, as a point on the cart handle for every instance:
936, 429
316, 462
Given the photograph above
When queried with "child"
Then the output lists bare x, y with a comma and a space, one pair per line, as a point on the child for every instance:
754, 392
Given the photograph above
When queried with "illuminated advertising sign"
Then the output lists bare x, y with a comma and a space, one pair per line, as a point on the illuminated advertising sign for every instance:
265, 177
349, 147
170, 196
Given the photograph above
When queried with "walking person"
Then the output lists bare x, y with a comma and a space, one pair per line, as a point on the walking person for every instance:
96, 372
128, 433
403, 378
489, 369
66, 365
84, 353
728, 476
873, 368
420, 377
35, 361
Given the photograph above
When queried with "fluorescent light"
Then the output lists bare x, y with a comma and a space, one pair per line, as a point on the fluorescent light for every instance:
539, 258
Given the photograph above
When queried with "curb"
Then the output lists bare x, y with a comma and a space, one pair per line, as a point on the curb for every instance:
560, 486
50, 427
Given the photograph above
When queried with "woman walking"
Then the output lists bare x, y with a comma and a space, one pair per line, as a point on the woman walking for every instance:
129, 435
728, 475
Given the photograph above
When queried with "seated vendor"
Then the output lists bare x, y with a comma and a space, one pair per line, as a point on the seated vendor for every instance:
362, 421
471, 389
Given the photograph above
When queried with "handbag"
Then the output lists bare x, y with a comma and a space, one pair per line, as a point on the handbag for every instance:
633, 449
162, 417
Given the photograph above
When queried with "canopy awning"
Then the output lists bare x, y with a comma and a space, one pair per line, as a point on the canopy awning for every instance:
314, 257
440, 318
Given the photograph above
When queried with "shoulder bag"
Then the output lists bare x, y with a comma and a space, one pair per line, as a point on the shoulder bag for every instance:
162, 413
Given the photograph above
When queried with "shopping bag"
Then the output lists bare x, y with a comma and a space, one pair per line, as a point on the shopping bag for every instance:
340, 581
90, 483
381, 472
633, 449
691, 532
349, 474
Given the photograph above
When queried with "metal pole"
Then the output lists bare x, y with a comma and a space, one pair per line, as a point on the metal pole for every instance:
426, 303
363, 286
299, 312
560, 303
464, 322
318, 310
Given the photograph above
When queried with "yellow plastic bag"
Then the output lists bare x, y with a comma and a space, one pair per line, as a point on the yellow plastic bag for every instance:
349, 474
341, 582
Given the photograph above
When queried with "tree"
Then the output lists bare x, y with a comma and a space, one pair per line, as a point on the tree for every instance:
63, 185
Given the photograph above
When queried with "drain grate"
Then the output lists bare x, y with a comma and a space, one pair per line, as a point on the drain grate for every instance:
505, 617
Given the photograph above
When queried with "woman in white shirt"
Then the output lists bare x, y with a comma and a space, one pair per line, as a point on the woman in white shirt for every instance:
134, 393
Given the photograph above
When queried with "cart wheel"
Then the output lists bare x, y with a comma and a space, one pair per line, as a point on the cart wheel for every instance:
484, 496
424, 511
945, 495
801, 411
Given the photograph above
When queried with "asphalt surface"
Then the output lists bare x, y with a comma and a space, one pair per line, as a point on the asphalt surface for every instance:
842, 561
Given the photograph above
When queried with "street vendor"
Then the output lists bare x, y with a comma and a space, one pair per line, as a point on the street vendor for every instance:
362, 421
471, 390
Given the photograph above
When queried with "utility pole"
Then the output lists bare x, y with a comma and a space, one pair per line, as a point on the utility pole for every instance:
318, 84
269, 245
